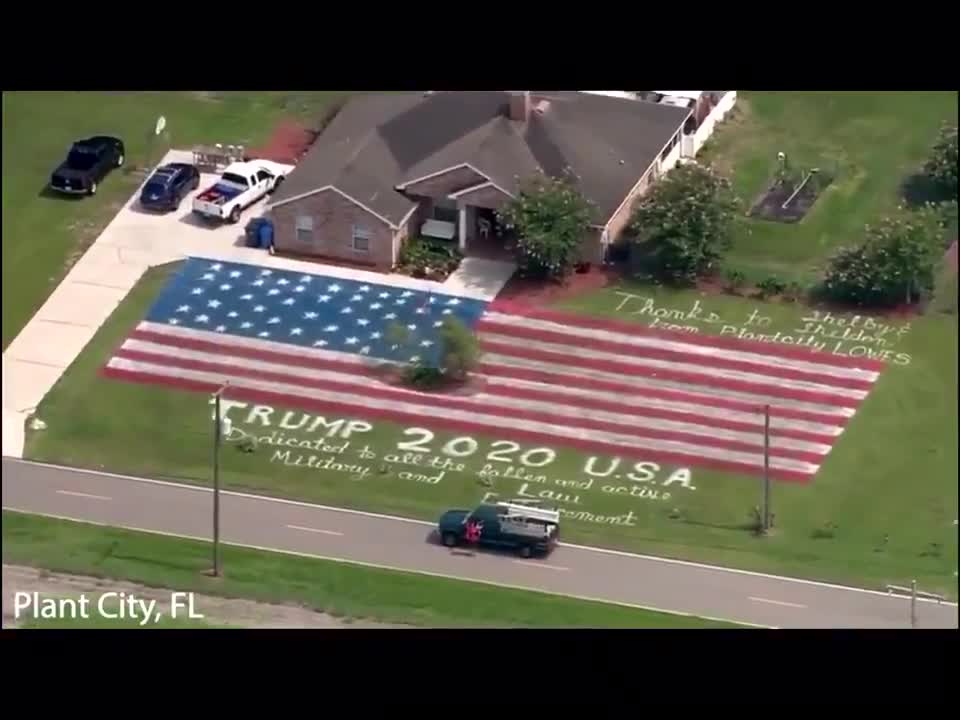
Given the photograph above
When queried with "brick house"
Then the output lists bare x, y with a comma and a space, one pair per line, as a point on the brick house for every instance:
394, 166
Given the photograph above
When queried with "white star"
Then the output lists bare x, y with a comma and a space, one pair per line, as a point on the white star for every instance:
356, 298
283, 281
197, 291
438, 323
320, 343
273, 321
376, 306
310, 316
221, 328
214, 304
248, 296
173, 321
365, 350
235, 273
259, 308
375, 336
411, 327
420, 311
202, 318
183, 308
209, 276
352, 341
323, 298
257, 283
273, 291
453, 301
406, 293
263, 334
447, 311
299, 288
306, 278
246, 325
347, 311
333, 288
296, 331
400, 302
266, 272
226, 286
384, 295
331, 328
289, 301
364, 288
415, 358
390, 316
426, 343
216, 266
363, 322
432, 300
232, 314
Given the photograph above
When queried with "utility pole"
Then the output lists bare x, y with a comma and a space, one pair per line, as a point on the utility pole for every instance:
765, 495
914, 594
217, 434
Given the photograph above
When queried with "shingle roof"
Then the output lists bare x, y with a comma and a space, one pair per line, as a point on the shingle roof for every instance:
378, 142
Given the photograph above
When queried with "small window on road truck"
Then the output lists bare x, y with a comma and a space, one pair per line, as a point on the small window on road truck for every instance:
235, 179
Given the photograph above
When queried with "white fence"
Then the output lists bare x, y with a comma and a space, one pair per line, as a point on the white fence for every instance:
691, 144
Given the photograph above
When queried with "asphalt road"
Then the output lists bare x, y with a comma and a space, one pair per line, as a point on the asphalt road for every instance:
274, 524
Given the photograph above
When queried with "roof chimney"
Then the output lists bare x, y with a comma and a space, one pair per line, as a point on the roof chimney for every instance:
519, 105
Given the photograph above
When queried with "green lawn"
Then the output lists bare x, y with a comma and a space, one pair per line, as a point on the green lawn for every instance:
339, 589
892, 473
874, 140
43, 236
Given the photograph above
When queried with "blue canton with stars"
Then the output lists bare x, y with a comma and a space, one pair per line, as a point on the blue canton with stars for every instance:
313, 311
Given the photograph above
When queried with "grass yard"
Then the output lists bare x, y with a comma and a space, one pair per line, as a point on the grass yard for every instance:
893, 473
875, 140
336, 588
42, 235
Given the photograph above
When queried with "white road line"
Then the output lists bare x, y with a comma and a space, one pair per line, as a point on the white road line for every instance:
83, 495
408, 571
413, 521
777, 602
541, 565
315, 530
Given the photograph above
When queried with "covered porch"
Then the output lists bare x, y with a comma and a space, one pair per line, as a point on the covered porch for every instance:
469, 218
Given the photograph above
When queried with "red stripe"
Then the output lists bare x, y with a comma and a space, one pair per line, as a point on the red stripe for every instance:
640, 351
300, 360
631, 328
467, 405
498, 387
683, 376
350, 410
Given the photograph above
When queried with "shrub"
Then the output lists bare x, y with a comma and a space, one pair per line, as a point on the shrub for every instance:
420, 255
771, 285
734, 280
941, 167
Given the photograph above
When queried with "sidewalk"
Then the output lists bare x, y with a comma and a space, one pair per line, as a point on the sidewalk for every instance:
135, 241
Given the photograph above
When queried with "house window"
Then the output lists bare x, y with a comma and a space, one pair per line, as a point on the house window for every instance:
304, 229
361, 239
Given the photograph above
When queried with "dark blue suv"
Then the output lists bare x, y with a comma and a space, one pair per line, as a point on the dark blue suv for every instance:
168, 186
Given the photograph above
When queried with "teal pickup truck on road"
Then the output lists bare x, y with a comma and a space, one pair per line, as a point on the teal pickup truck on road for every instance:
515, 525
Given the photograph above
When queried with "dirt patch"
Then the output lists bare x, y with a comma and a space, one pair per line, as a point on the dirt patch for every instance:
786, 202
538, 292
287, 144
216, 610
950, 258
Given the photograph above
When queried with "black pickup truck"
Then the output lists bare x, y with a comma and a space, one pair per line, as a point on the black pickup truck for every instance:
88, 162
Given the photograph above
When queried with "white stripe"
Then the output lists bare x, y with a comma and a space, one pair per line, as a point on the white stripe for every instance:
315, 530
494, 421
642, 400
73, 493
573, 376
481, 399
776, 602
751, 356
574, 352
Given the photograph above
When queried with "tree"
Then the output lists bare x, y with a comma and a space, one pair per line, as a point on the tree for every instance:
941, 167
684, 225
551, 218
460, 351
896, 263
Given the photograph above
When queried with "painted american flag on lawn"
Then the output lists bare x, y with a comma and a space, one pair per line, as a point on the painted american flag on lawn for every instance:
314, 342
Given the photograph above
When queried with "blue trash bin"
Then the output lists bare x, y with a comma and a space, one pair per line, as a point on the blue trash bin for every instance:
253, 232
266, 234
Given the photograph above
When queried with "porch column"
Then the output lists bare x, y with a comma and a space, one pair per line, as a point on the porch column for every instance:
462, 235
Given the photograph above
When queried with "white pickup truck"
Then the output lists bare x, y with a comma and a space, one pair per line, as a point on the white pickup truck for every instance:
239, 187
